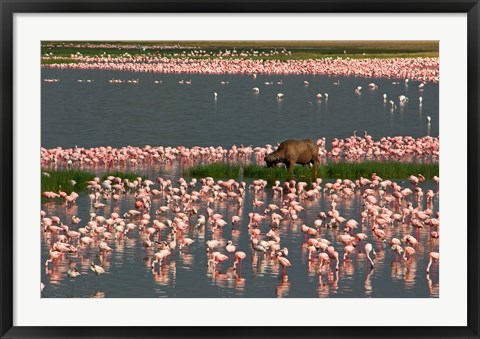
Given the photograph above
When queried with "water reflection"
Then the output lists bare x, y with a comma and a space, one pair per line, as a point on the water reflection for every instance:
397, 270
98, 294
433, 288
368, 283
240, 284
410, 274
328, 286
283, 288
127, 245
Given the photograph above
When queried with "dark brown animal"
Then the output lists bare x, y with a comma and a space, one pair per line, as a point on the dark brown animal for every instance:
291, 152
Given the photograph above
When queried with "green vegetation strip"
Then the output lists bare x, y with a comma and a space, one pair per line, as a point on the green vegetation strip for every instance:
342, 170
407, 45
300, 50
74, 180
62, 181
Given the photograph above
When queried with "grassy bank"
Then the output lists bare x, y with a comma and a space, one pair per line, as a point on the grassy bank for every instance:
53, 181
343, 170
298, 50
76, 181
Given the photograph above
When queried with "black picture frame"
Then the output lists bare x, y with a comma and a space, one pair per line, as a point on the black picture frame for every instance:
10, 7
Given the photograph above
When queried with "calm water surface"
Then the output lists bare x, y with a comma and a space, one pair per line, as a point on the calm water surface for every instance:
101, 113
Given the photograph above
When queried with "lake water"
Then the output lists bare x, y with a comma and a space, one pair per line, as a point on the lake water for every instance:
101, 113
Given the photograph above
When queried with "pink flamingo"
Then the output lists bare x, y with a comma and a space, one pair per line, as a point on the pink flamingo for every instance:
162, 254
360, 237
235, 219
323, 258
369, 249
408, 251
53, 256
239, 256
348, 249
230, 248
217, 257
311, 249
397, 249
98, 270
433, 257
284, 262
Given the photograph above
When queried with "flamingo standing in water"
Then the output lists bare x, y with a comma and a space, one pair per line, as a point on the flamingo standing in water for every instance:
217, 257
323, 258
397, 249
402, 98
53, 255
284, 262
161, 255
72, 273
437, 181
333, 255
230, 248
239, 256
348, 249
369, 249
97, 270
433, 257
408, 251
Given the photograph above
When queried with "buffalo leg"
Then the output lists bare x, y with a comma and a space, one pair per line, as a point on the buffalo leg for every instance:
315, 168
290, 165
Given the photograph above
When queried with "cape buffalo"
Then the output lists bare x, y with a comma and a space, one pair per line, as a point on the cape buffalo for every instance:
291, 152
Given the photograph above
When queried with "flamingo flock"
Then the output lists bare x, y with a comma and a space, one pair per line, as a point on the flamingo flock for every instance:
392, 148
399, 148
168, 216
424, 70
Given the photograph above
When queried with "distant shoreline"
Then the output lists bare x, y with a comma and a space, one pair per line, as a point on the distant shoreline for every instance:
296, 50
413, 60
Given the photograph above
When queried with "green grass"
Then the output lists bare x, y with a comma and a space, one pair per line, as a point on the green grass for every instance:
62, 180
59, 61
300, 50
343, 170
352, 46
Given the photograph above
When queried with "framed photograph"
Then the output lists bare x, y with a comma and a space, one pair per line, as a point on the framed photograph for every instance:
257, 169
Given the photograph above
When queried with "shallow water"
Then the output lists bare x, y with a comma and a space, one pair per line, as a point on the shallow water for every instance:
100, 113
186, 273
